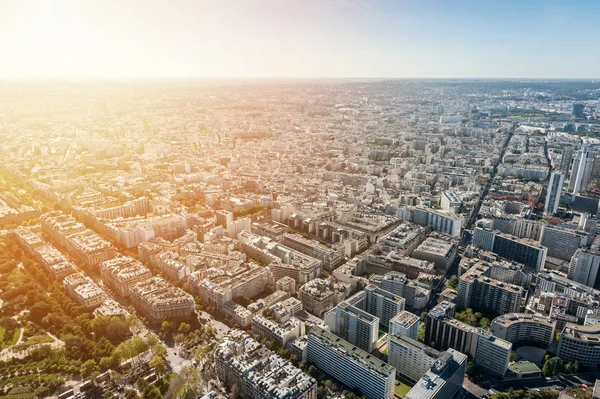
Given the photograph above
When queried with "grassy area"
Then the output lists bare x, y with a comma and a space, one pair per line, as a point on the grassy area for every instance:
36, 339
10, 341
401, 389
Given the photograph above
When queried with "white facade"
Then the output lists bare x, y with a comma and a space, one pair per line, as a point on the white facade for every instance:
555, 185
584, 267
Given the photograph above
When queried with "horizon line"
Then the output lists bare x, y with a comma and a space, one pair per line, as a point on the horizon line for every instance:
279, 78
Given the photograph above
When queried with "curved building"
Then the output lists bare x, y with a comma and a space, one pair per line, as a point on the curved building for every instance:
524, 329
581, 343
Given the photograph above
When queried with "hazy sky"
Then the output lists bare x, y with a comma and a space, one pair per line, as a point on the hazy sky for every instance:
299, 38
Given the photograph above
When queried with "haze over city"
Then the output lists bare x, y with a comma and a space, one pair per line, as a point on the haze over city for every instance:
305, 39
316, 199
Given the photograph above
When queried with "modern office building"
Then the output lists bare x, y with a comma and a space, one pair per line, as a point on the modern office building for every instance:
449, 202
584, 266
350, 365
557, 180
527, 252
444, 222
405, 323
444, 380
437, 251
524, 329
581, 173
577, 110
580, 343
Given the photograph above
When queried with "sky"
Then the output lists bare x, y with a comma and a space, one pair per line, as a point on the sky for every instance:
108, 39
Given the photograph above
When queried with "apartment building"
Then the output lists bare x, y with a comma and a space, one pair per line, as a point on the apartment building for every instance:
219, 286
156, 299
283, 261
350, 322
121, 273
320, 295
259, 373
443, 380
286, 284
525, 251
524, 329
405, 323
84, 290
329, 257
581, 344
442, 331
279, 332
416, 294
89, 248
562, 243
171, 267
477, 290
409, 357
59, 226
382, 303
350, 365
444, 222
584, 266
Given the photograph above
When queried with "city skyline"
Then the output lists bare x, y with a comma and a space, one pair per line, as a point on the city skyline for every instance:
310, 39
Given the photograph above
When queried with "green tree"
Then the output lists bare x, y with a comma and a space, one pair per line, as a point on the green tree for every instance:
453, 282
484, 323
312, 371
184, 328
572, 367
158, 365
470, 369
152, 393
131, 394
142, 384
89, 368
552, 367
38, 311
